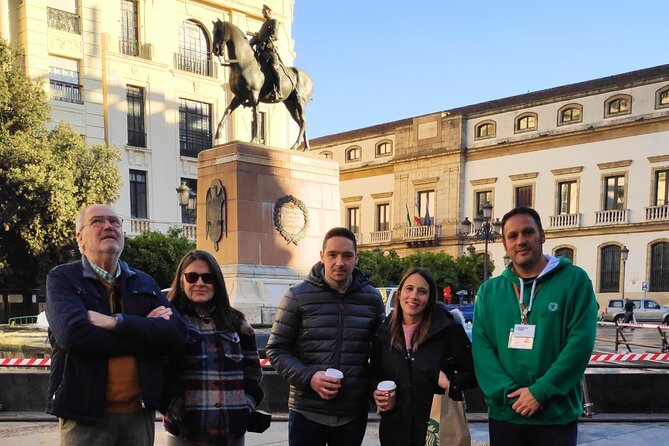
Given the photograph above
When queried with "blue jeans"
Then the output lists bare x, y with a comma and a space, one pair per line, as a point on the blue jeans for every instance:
304, 432
503, 433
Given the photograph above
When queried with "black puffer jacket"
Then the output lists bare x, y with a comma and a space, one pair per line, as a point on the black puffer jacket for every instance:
316, 328
446, 347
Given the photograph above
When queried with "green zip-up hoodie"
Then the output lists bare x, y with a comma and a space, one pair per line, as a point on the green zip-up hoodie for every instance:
564, 311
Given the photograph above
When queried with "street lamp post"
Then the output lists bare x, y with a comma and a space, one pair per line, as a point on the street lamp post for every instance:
187, 198
624, 253
484, 231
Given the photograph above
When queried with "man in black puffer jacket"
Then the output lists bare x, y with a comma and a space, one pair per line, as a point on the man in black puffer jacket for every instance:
327, 321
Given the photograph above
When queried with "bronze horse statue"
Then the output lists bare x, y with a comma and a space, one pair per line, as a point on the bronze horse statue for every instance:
248, 81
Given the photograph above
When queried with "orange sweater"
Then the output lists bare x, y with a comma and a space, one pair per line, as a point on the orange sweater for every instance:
123, 391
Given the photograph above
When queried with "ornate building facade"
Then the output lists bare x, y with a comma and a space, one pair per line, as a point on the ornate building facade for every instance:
592, 158
139, 74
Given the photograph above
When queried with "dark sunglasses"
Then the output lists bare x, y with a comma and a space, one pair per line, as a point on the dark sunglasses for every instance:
192, 277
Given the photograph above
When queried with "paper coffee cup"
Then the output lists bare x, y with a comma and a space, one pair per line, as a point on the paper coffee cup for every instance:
386, 386
334, 373
390, 387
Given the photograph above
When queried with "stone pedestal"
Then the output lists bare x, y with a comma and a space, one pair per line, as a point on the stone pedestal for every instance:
279, 204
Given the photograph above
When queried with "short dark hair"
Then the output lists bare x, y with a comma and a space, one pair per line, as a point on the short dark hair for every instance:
522, 210
340, 232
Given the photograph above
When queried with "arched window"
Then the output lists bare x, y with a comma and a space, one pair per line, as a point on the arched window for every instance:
618, 105
526, 122
485, 129
384, 148
659, 267
327, 155
662, 98
353, 154
193, 52
570, 114
566, 252
609, 269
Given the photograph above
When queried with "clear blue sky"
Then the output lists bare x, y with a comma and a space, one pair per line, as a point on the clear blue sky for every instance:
376, 61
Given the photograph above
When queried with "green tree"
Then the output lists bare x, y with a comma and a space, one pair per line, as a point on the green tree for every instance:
461, 273
157, 254
384, 269
46, 176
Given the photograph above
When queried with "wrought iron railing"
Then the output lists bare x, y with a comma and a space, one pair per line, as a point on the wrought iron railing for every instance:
63, 20
65, 91
136, 139
566, 221
194, 63
129, 47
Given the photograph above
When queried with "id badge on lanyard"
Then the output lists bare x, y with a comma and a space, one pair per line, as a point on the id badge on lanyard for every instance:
521, 335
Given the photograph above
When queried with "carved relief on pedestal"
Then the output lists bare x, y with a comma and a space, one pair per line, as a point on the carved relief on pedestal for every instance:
291, 218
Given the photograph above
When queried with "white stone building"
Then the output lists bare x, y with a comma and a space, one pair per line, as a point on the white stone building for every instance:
138, 74
591, 157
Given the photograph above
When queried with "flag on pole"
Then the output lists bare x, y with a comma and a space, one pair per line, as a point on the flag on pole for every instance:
416, 213
428, 220
408, 216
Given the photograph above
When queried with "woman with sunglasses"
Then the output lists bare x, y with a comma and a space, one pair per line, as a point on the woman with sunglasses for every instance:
215, 381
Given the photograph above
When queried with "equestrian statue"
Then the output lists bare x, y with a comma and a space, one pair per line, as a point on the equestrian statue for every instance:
260, 76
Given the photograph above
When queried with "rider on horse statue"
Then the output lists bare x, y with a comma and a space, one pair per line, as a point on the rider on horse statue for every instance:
266, 50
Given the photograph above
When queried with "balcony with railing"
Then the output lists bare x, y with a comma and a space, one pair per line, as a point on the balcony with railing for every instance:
136, 139
128, 46
139, 225
380, 237
189, 231
65, 91
421, 233
63, 20
565, 221
194, 63
657, 213
612, 217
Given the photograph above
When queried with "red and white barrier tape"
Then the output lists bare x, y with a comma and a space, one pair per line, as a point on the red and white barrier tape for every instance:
600, 357
609, 357
46, 362
612, 324
25, 362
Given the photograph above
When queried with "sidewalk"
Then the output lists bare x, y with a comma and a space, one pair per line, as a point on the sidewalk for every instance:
29, 429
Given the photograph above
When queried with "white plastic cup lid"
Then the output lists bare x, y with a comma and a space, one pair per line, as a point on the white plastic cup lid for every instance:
386, 386
334, 373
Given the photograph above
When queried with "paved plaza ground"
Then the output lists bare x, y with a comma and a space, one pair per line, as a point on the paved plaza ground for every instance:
620, 430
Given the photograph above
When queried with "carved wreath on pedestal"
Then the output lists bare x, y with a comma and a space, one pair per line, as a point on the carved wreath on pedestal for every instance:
285, 220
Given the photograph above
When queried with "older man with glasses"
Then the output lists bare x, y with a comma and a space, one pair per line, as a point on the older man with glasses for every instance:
109, 326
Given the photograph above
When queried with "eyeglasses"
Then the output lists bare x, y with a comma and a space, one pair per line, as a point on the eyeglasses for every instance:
192, 277
99, 221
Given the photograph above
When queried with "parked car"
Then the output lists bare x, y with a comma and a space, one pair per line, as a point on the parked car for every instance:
645, 310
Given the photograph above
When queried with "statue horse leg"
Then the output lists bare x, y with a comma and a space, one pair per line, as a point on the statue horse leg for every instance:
295, 105
234, 103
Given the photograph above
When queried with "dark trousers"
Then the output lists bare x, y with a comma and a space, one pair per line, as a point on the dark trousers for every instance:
115, 429
304, 432
503, 433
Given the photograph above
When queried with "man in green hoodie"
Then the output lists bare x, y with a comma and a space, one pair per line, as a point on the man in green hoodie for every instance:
533, 334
